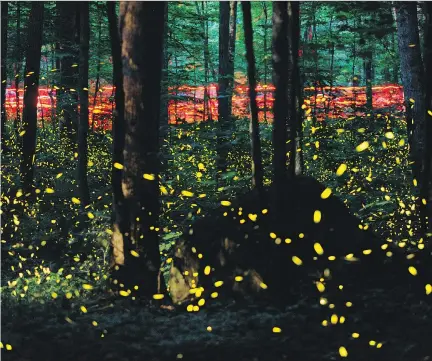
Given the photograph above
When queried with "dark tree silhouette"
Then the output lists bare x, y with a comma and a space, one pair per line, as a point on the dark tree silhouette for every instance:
426, 191
284, 69
136, 247
31, 86
119, 217
84, 103
223, 103
67, 29
413, 81
231, 53
257, 168
4, 26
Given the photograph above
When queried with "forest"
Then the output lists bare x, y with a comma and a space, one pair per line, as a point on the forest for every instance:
203, 180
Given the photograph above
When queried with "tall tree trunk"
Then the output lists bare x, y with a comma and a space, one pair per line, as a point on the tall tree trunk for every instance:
281, 68
426, 190
17, 120
164, 125
84, 104
31, 86
204, 22
412, 80
368, 76
4, 26
119, 210
66, 98
136, 247
264, 5
98, 67
257, 168
231, 53
223, 103
296, 123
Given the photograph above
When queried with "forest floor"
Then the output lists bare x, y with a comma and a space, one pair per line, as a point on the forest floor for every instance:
55, 305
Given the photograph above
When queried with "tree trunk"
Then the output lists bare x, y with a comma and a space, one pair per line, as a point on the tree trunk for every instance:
368, 76
164, 125
412, 80
257, 168
4, 26
18, 57
202, 14
136, 248
84, 104
98, 67
296, 162
264, 5
119, 211
426, 189
66, 99
31, 86
231, 54
281, 68
223, 103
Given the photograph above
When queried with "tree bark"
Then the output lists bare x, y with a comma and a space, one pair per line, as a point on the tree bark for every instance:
31, 86
98, 67
84, 104
257, 168
66, 98
412, 80
4, 26
136, 248
426, 190
18, 56
368, 76
264, 5
223, 103
164, 125
281, 67
231, 53
119, 211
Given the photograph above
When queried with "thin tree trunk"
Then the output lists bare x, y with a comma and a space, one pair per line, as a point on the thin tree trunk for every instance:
4, 26
17, 120
84, 104
136, 247
332, 51
231, 54
31, 86
164, 125
66, 32
264, 4
426, 189
207, 107
412, 80
368, 76
119, 211
296, 162
257, 168
223, 103
280, 106
98, 68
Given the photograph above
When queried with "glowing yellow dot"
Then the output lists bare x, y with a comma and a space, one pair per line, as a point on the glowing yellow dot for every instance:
341, 170
317, 216
297, 261
343, 351
362, 146
318, 249
277, 330
412, 270
326, 193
